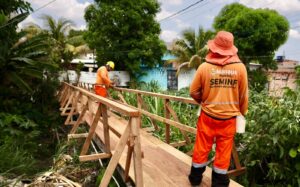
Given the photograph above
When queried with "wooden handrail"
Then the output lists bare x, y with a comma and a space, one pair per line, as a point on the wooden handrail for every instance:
163, 96
71, 96
112, 104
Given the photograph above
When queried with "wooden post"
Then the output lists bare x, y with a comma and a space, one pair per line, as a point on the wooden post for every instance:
73, 109
239, 170
105, 129
65, 97
139, 101
63, 113
128, 161
122, 98
146, 107
75, 126
173, 113
115, 158
167, 115
88, 140
137, 153
62, 93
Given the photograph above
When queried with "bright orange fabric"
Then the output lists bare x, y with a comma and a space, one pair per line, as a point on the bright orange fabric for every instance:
100, 90
102, 77
223, 132
222, 90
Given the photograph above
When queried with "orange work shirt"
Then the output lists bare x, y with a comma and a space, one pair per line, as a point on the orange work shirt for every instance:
222, 90
102, 77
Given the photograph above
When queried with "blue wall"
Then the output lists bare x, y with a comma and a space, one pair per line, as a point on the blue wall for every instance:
156, 74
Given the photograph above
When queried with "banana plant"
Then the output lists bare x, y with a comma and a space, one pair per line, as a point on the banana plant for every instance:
25, 60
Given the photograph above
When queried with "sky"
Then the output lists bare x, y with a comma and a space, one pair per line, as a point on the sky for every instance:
202, 14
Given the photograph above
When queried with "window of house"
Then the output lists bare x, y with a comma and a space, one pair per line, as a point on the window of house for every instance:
172, 80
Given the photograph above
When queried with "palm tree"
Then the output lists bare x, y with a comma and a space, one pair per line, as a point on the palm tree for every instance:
191, 49
64, 48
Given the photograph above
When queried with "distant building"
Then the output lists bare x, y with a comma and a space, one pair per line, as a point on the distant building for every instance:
89, 61
88, 72
284, 76
166, 76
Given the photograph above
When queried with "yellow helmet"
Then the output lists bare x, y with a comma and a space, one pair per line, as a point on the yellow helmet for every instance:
111, 64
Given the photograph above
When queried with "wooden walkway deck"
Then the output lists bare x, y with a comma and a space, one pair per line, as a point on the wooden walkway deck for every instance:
163, 165
155, 163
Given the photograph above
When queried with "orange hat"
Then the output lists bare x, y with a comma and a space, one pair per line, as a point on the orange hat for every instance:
223, 44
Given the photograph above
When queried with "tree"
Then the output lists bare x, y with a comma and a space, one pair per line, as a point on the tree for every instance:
64, 47
258, 32
57, 35
125, 32
191, 50
26, 92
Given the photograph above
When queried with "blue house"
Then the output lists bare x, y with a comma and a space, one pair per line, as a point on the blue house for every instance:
166, 75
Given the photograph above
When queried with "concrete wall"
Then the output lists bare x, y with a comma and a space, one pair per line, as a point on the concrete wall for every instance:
121, 78
185, 78
160, 75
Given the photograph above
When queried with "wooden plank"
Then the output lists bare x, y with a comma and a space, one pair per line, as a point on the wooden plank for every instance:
67, 96
167, 116
105, 129
74, 107
235, 157
75, 136
67, 105
171, 122
97, 156
128, 162
173, 113
122, 98
236, 172
111, 104
79, 120
163, 96
137, 152
91, 132
115, 158
146, 107
158, 158
62, 93
178, 144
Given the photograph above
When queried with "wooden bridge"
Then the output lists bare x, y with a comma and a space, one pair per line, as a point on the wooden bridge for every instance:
144, 159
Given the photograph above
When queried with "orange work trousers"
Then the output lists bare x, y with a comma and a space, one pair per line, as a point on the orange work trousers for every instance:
209, 130
100, 90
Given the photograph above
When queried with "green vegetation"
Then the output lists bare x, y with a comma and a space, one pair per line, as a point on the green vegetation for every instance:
31, 59
28, 110
125, 32
258, 32
269, 148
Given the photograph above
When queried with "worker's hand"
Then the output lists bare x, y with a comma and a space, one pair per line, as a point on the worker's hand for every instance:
112, 84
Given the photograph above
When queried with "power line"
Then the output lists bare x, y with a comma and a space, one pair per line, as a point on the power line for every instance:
182, 10
43, 6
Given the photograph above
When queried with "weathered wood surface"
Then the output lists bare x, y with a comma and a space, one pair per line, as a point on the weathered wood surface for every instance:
163, 165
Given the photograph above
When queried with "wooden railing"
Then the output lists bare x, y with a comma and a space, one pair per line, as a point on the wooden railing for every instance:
75, 100
142, 107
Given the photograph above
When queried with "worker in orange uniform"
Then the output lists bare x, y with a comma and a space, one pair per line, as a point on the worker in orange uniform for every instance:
220, 86
103, 82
